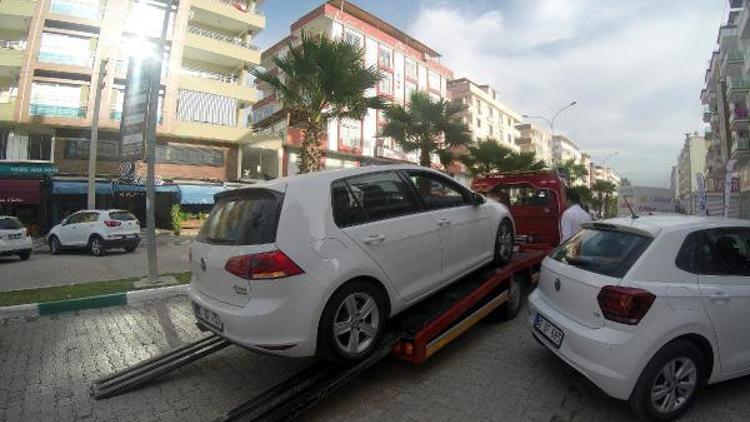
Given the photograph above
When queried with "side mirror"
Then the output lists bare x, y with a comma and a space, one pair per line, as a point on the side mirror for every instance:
477, 199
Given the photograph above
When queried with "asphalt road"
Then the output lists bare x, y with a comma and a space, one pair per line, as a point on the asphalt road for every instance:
44, 270
494, 372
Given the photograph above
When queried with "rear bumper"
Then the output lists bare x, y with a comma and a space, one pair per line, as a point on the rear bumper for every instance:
14, 248
121, 242
610, 358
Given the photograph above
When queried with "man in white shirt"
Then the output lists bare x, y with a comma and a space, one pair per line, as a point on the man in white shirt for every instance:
573, 217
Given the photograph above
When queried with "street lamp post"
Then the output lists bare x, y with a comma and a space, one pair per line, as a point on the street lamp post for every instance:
551, 121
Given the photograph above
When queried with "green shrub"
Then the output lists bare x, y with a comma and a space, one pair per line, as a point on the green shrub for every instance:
175, 218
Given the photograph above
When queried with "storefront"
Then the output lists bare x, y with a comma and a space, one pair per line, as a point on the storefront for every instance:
133, 198
68, 195
23, 193
198, 198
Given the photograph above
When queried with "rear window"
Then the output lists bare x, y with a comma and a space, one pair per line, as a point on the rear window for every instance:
121, 216
10, 223
513, 195
602, 251
245, 218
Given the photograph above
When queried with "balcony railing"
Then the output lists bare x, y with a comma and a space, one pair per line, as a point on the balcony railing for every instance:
205, 74
738, 84
66, 57
222, 37
741, 145
739, 113
13, 44
42, 109
80, 8
241, 5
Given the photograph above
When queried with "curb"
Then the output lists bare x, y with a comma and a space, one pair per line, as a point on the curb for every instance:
131, 298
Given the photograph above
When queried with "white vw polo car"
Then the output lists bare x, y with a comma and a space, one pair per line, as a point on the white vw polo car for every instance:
650, 309
316, 264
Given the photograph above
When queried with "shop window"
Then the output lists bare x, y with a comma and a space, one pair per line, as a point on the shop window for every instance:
179, 154
350, 134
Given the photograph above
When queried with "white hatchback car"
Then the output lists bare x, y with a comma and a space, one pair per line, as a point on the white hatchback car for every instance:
651, 309
315, 264
97, 231
14, 239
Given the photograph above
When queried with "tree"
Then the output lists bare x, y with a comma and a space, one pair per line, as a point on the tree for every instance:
428, 126
605, 190
322, 79
489, 156
625, 182
574, 171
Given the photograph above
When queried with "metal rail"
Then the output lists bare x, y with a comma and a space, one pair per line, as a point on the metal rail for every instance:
129, 378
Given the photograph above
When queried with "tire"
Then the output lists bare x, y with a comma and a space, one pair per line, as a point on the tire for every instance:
512, 307
340, 348
504, 241
54, 245
25, 255
688, 364
96, 246
130, 249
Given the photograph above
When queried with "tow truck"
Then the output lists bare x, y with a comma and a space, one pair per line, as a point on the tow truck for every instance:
535, 199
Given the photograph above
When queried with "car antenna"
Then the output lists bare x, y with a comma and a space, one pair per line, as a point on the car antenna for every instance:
633, 215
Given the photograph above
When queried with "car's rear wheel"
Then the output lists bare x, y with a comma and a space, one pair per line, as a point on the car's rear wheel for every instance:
25, 255
670, 381
54, 245
352, 322
504, 243
96, 246
130, 248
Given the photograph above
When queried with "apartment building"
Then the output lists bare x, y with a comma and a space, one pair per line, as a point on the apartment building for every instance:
50, 55
536, 139
407, 64
485, 115
564, 149
691, 165
586, 162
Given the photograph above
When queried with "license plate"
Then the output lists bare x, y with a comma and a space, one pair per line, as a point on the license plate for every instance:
209, 317
548, 330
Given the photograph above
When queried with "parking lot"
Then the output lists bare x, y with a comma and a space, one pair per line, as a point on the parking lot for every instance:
495, 371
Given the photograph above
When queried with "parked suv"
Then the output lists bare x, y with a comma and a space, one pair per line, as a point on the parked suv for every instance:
316, 264
650, 309
14, 239
97, 231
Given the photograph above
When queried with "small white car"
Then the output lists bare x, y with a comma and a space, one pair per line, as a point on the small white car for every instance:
14, 239
316, 264
97, 231
649, 309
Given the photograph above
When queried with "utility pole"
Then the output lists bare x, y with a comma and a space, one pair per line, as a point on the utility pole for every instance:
95, 135
153, 117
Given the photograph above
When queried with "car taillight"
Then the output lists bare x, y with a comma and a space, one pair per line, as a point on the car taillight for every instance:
626, 305
262, 266
112, 223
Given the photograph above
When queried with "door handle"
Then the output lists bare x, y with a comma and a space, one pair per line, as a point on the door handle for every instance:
719, 297
374, 239
444, 222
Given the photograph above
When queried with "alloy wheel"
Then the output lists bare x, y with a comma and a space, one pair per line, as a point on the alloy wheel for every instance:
674, 385
356, 323
504, 241
96, 246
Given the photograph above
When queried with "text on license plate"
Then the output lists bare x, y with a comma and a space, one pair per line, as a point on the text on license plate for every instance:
548, 330
209, 317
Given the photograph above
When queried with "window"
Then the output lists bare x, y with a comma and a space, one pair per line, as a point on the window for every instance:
121, 216
78, 149
63, 100
722, 251
10, 223
248, 217
350, 134
491, 131
347, 210
479, 123
411, 87
353, 37
382, 195
603, 250
438, 192
17, 146
40, 147
65, 49
89, 9
385, 57
510, 139
147, 17
386, 84
194, 106
410, 69
433, 81
180, 154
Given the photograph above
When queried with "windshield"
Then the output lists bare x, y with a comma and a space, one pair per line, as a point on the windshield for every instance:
10, 223
606, 252
512, 195
246, 218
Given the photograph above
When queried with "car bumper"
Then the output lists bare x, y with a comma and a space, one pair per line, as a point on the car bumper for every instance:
121, 241
280, 324
15, 247
609, 357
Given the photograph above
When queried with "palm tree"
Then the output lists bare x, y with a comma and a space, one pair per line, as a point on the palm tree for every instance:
489, 156
605, 189
322, 79
573, 170
428, 126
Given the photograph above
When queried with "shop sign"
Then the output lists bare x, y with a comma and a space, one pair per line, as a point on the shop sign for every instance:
716, 184
27, 169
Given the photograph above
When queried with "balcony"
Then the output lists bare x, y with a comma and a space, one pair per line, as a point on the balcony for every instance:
11, 54
232, 15
91, 10
738, 117
740, 147
213, 47
737, 87
732, 62
66, 57
742, 27
53, 110
707, 111
7, 109
16, 9
215, 83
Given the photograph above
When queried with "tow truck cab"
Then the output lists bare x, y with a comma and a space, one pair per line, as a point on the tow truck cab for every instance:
536, 200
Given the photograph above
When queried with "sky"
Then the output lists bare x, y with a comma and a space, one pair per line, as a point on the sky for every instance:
634, 67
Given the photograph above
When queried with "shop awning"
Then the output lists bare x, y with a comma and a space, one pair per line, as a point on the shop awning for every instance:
122, 187
22, 192
199, 194
79, 188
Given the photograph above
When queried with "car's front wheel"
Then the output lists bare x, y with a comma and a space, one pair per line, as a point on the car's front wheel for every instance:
96, 246
504, 243
25, 255
352, 322
54, 245
670, 381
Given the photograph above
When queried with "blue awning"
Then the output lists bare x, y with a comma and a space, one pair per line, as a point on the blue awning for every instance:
123, 187
79, 188
199, 194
